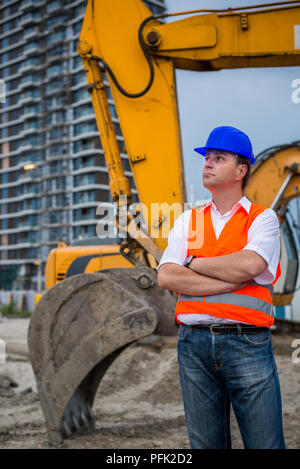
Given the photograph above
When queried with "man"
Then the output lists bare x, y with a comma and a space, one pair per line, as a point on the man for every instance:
223, 260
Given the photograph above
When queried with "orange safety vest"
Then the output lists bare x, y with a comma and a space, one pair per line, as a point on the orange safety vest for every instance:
252, 304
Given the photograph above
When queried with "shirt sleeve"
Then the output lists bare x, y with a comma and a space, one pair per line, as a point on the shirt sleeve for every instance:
264, 239
176, 251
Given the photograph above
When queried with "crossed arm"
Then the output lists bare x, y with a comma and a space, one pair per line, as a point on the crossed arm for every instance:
212, 275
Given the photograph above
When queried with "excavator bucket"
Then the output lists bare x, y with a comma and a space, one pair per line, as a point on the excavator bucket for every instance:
77, 330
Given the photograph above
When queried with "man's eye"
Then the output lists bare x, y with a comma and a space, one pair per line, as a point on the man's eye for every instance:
218, 157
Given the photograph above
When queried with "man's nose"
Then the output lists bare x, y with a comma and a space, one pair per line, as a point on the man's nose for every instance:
209, 162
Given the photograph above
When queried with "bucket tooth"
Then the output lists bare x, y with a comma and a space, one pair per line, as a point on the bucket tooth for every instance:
78, 329
66, 429
84, 420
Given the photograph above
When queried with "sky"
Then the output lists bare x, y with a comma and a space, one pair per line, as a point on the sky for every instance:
255, 100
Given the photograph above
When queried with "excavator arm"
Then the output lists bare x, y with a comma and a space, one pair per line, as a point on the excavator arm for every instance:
81, 324
139, 57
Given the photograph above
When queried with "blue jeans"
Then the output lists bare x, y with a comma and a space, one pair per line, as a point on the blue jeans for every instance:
218, 369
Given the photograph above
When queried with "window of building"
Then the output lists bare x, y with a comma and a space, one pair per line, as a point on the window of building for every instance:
31, 124
32, 140
81, 94
14, 145
29, 108
53, 70
87, 213
31, 93
55, 167
6, 12
87, 144
15, 38
84, 127
55, 20
31, 61
30, 78
77, 28
32, 15
5, 72
55, 37
32, 45
79, 77
29, 253
53, 85
14, 129
84, 110
55, 234
84, 162
56, 101
14, 68
87, 231
77, 62
82, 197
84, 179
57, 51
79, 10
56, 134
4, 224
14, 8
11, 85
56, 117
5, 42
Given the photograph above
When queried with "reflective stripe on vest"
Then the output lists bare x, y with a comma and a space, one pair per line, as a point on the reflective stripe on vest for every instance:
252, 304
236, 299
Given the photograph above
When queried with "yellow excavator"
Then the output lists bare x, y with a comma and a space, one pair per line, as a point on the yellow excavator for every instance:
83, 322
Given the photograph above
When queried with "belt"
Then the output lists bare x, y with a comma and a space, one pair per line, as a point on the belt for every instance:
228, 328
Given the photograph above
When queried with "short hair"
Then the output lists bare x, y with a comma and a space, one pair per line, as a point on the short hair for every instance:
243, 160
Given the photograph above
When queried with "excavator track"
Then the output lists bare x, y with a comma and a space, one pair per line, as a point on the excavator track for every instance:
78, 329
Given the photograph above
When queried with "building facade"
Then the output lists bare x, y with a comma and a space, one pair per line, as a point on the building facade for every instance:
52, 167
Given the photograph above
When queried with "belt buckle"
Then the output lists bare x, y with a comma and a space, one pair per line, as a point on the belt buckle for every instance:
217, 326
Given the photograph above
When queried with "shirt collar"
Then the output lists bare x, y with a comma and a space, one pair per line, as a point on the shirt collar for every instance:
243, 202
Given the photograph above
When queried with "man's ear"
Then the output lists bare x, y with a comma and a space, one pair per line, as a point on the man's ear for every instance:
242, 170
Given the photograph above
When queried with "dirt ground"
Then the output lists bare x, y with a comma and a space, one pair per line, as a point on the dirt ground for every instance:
138, 404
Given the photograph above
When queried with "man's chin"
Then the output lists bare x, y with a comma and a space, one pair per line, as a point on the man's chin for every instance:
207, 184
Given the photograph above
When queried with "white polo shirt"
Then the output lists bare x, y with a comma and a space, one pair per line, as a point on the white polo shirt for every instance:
263, 238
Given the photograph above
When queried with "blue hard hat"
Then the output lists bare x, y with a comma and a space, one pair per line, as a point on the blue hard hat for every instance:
229, 139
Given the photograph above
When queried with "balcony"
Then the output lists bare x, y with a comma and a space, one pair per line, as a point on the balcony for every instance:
54, 6
29, 114
28, 4
30, 18
30, 33
29, 65
30, 80
31, 49
28, 130
28, 98
26, 146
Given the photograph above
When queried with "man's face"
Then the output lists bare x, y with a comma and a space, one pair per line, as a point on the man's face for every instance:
220, 169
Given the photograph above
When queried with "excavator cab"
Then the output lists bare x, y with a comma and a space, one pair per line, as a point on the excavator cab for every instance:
83, 256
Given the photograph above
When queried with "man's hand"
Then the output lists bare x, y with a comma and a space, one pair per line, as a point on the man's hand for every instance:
239, 266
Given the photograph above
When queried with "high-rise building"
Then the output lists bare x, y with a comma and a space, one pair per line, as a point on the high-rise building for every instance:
52, 168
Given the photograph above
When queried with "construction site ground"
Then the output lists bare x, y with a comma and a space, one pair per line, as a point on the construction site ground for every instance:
138, 404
